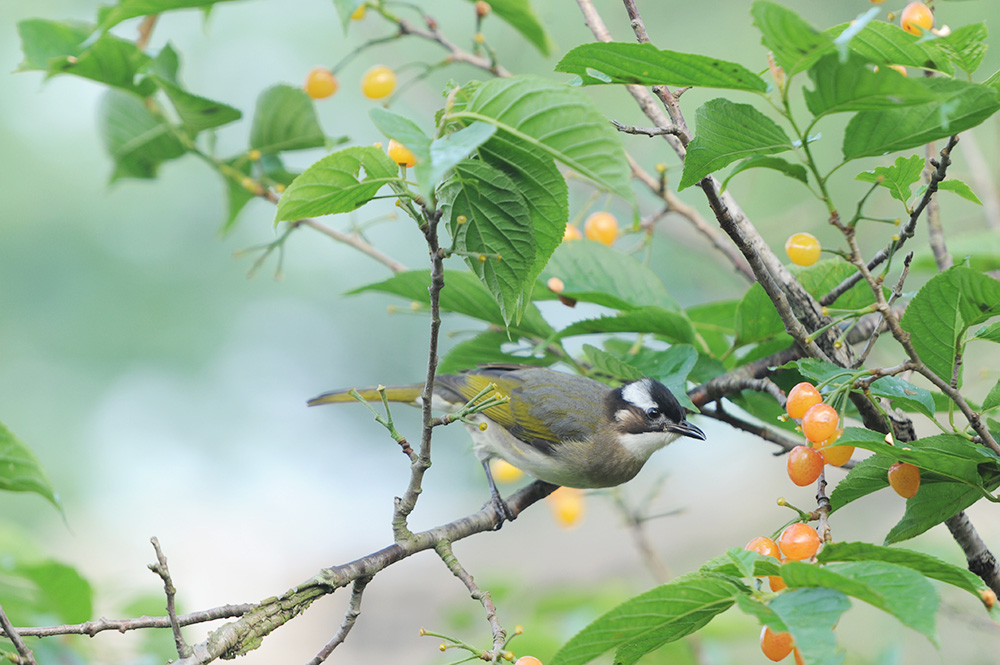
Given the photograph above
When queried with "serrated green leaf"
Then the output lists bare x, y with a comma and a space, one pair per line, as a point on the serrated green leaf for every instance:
20, 470
898, 178
463, 294
497, 222
821, 277
796, 45
925, 564
897, 590
609, 365
966, 46
595, 273
487, 347
886, 43
650, 620
108, 17
136, 140
644, 64
538, 115
62, 48
726, 132
904, 395
796, 171
334, 185
521, 16
854, 85
960, 106
958, 187
196, 113
943, 310
674, 326
285, 119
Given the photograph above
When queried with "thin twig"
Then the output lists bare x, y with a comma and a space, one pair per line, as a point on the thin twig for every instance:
357, 243
935, 231
26, 657
455, 53
646, 131
91, 628
940, 171
897, 292
350, 616
785, 441
161, 569
146, 31
499, 634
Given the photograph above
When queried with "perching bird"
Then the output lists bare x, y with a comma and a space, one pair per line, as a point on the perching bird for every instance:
561, 428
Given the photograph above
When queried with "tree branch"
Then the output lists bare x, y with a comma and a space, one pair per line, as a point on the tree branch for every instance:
350, 616
160, 568
499, 634
981, 560
26, 657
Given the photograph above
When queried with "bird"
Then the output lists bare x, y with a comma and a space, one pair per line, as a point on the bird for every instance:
560, 428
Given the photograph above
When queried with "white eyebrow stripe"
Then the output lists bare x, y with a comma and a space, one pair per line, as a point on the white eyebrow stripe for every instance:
637, 393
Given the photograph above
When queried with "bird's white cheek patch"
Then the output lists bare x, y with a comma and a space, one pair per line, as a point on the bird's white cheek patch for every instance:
644, 444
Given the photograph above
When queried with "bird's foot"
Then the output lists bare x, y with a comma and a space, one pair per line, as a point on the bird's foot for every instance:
503, 511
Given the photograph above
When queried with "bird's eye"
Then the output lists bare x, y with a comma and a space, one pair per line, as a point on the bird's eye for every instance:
652, 413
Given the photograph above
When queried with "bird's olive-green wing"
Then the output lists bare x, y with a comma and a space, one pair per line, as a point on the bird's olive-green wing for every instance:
545, 406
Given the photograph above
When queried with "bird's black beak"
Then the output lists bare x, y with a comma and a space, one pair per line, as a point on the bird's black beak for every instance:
687, 429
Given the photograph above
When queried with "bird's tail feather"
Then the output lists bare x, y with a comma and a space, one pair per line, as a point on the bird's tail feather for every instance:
404, 394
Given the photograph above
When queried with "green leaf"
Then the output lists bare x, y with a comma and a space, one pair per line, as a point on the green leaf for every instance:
59, 590
958, 187
671, 367
756, 317
486, 347
59, 48
595, 273
821, 277
933, 504
197, 113
463, 294
237, 196
868, 475
900, 591
345, 8
990, 333
966, 46
332, 184
126, 9
716, 323
925, 564
136, 140
810, 615
886, 43
960, 106
673, 326
535, 115
644, 64
993, 398
738, 562
796, 45
650, 620
434, 158
898, 178
497, 222
942, 311
521, 16
904, 395
285, 119
20, 470
610, 366
166, 64
726, 132
796, 171
855, 86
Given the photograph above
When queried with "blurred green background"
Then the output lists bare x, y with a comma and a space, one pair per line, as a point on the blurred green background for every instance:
164, 391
